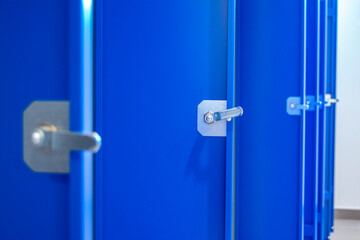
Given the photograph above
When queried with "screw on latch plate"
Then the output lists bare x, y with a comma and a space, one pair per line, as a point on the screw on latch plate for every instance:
209, 118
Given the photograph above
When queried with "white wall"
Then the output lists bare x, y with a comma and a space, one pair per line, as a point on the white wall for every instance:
347, 150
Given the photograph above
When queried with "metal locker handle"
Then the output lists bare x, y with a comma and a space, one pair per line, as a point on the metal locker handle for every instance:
49, 137
211, 117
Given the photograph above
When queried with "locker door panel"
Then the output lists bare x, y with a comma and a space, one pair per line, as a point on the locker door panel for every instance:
159, 177
283, 163
42, 58
34, 64
267, 147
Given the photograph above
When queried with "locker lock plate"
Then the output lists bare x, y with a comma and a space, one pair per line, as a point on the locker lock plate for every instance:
212, 116
47, 141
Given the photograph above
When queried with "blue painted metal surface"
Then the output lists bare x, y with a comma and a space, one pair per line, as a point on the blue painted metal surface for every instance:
268, 71
311, 172
324, 174
230, 135
323, 194
46, 55
320, 168
301, 205
159, 178
156, 61
330, 31
280, 166
98, 119
81, 117
323, 216
34, 65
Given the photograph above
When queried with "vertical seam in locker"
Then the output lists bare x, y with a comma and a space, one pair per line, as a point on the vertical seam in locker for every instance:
98, 118
316, 172
81, 97
234, 100
230, 143
234, 131
324, 165
302, 124
88, 60
333, 83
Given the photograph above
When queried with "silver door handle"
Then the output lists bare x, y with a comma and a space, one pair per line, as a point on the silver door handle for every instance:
211, 117
49, 137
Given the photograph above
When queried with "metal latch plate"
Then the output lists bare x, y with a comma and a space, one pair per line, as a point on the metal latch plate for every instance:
216, 129
37, 114
294, 105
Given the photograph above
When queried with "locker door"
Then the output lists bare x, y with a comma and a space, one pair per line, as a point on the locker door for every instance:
313, 120
319, 127
46, 67
320, 50
327, 136
157, 177
283, 143
268, 139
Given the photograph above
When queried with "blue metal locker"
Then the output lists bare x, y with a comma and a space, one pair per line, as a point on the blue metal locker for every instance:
156, 176
45, 55
284, 143
136, 72
329, 27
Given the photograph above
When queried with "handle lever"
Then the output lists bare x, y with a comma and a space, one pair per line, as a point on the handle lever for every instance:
329, 100
49, 137
211, 117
